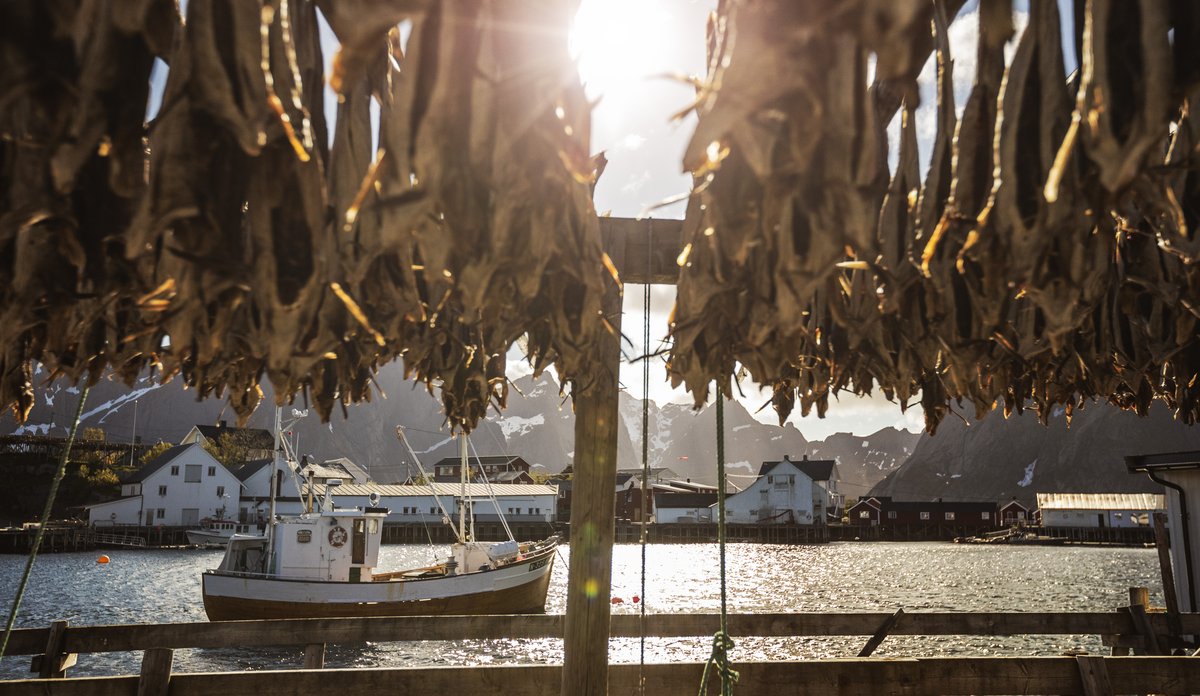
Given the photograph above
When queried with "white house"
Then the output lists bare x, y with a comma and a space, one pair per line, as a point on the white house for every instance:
1098, 509
671, 507
177, 488
824, 474
782, 493
254, 501
416, 504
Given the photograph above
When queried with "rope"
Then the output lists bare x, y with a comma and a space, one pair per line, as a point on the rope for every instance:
41, 530
722, 643
645, 456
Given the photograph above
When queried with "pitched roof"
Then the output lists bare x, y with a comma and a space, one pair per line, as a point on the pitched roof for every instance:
251, 437
250, 468
155, 464
685, 500
1100, 501
491, 459
939, 506
359, 473
446, 490
815, 469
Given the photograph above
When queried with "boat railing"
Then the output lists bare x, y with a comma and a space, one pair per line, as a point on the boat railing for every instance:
122, 540
1151, 635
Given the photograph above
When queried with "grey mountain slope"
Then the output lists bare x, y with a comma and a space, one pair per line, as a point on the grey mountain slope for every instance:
538, 425
864, 460
998, 459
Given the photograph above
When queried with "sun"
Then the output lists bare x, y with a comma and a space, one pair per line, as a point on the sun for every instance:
621, 44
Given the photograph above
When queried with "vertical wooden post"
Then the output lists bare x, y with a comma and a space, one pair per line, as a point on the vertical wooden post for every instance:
593, 497
156, 672
53, 663
1139, 600
314, 656
1163, 544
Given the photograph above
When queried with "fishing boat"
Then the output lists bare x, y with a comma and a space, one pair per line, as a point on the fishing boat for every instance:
217, 531
324, 563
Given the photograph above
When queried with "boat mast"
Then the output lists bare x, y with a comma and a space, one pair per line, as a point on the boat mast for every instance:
274, 484
462, 485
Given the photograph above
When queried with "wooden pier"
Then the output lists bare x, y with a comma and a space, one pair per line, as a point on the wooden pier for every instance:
1115, 536
1151, 636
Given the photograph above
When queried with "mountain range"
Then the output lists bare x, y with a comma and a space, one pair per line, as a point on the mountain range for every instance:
998, 459
538, 425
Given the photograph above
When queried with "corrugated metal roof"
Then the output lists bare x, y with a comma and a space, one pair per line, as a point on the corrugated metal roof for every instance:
474, 490
1100, 501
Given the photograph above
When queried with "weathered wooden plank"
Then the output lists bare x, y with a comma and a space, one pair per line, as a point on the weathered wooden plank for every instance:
155, 678
1162, 543
881, 633
1094, 675
879, 677
593, 495
90, 639
53, 664
314, 656
644, 251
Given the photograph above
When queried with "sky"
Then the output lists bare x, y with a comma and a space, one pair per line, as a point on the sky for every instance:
630, 54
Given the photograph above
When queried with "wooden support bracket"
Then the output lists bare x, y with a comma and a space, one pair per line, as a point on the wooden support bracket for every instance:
155, 677
1093, 673
55, 661
884, 628
314, 656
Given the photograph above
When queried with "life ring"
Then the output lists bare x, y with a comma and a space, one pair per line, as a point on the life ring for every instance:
338, 537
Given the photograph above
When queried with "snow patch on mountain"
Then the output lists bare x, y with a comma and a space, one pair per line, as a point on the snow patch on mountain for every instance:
516, 425
1025, 482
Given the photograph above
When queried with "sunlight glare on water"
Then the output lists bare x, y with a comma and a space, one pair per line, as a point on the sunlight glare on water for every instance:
164, 586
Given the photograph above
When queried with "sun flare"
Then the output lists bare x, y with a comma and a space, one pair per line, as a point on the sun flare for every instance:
620, 44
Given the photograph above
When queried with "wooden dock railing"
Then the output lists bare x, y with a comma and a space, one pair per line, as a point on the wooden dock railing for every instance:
56, 647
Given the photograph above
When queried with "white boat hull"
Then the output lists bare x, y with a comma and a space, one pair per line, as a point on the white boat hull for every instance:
517, 588
199, 537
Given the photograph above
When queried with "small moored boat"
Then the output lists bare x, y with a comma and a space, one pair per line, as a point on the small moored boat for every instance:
323, 563
215, 532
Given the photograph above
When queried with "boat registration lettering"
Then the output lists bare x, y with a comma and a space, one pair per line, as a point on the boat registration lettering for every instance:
539, 564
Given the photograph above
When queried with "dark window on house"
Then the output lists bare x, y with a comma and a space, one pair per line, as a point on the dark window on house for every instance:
220, 491
212, 471
924, 515
191, 473
891, 514
160, 513
433, 511
864, 515
175, 470
162, 490
985, 515
950, 516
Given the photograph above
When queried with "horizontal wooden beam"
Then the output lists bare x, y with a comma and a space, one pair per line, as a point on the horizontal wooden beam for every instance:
878, 676
648, 251
91, 639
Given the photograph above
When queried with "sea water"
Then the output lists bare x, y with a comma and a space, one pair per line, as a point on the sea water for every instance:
161, 586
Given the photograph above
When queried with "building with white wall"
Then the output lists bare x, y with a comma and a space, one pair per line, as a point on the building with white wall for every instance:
1098, 509
417, 504
675, 507
781, 494
179, 487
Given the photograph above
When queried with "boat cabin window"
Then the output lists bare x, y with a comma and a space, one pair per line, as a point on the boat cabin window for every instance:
358, 545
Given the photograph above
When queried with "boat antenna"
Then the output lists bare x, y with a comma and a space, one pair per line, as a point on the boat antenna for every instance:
492, 493
437, 499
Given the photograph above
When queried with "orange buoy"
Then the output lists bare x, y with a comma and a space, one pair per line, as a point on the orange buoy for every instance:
102, 560
617, 600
